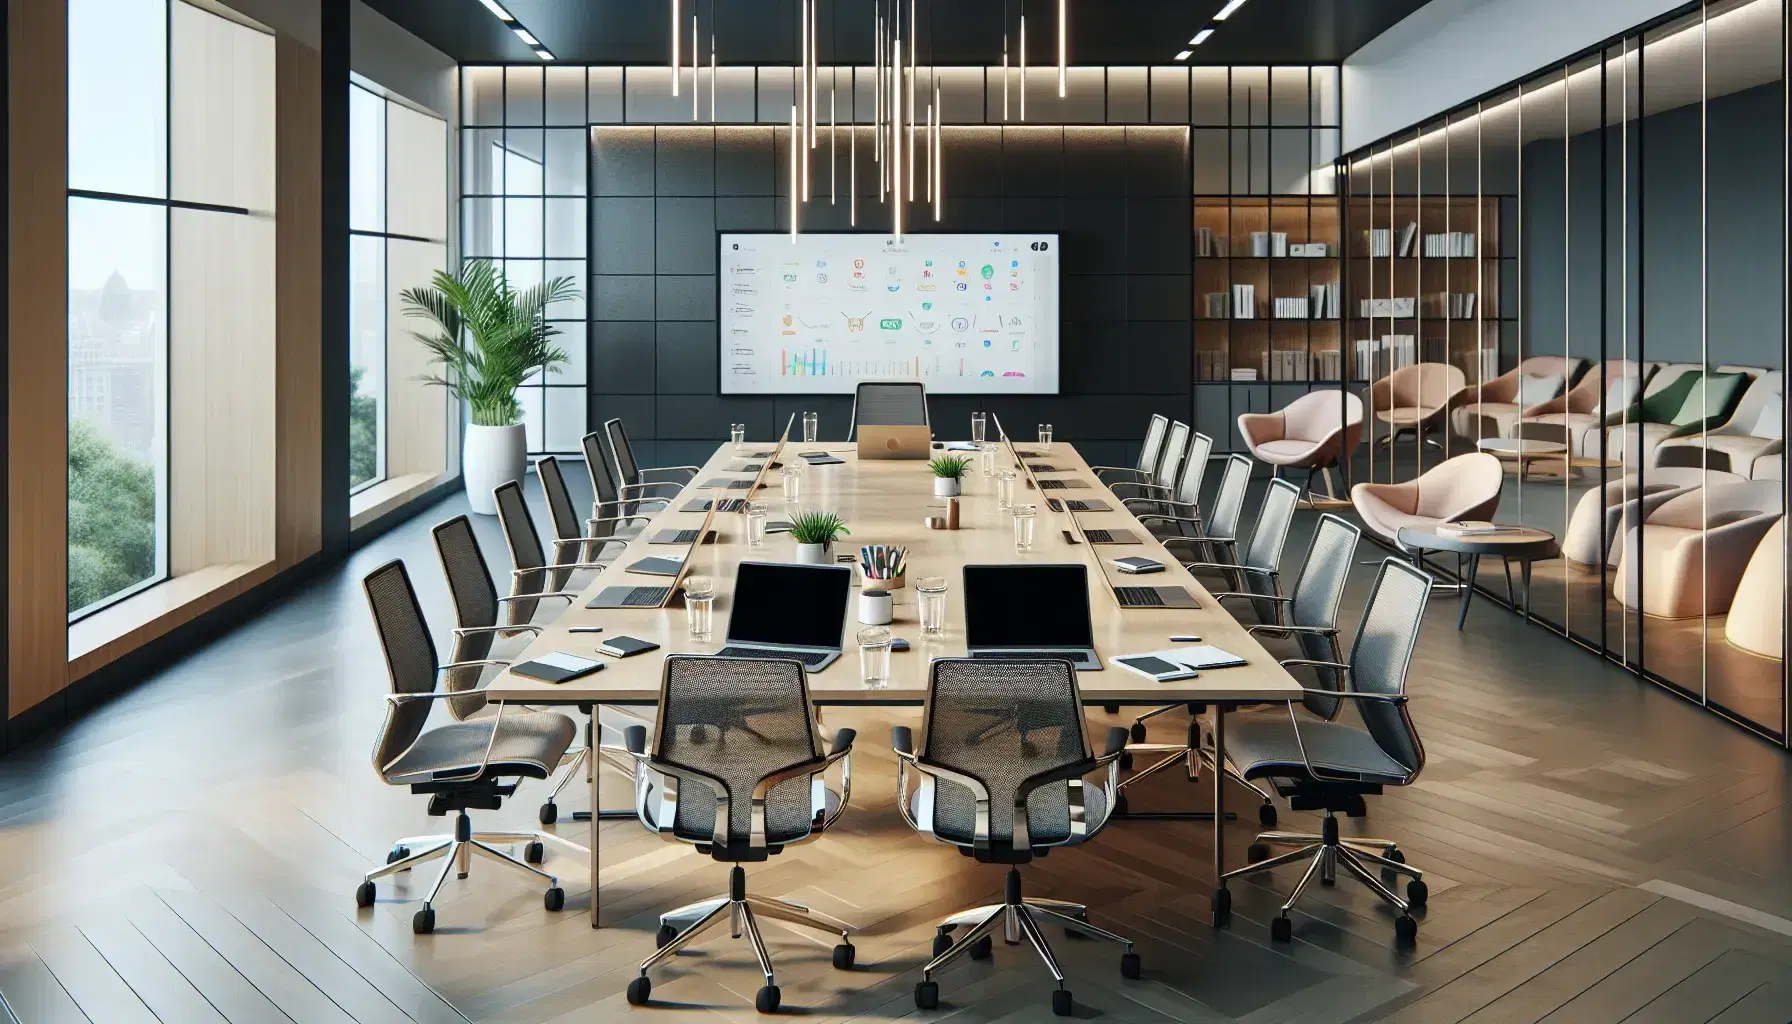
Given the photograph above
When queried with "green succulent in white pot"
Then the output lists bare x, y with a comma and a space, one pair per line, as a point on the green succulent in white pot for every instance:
488, 339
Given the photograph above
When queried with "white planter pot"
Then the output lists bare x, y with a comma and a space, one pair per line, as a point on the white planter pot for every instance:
491, 456
812, 554
946, 487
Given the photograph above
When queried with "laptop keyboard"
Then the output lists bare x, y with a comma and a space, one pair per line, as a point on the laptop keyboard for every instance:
1080, 657
1099, 536
728, 505
1139, 597
1087, 506
682, 537
646, 597
810, 658
1051, 485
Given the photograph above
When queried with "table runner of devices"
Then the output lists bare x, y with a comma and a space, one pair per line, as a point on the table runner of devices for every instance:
885, 502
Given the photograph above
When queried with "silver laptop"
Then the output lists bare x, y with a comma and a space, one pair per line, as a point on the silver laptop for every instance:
1029, 611
783, 610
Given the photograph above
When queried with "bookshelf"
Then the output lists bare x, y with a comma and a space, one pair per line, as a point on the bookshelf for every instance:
1268, 289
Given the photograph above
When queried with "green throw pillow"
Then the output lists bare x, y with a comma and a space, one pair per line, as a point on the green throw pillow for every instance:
1719, 392
1664, 405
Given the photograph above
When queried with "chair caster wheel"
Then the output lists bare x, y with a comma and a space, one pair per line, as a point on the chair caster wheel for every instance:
364, 894
639, 990
1061, 1004
423, 921
1281, 929
1388, 875
927, 995
666, 934
1138, 732
549, 813
1256, 852
1406, 930
1266, 815
1120, 807
980, 950
766, 1001
534, 852
1126, 762
1417, 893
554, 898
1129, 966
1222, 907
843, 956
1112, 709
398, 853
941, 943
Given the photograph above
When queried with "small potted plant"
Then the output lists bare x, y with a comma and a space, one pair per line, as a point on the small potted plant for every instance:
948, 471
814, 533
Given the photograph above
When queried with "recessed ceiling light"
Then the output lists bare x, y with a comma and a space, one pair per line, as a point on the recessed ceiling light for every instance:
1184, 55
493, 6
1226, 11
543, 54
523, 34
1200, 37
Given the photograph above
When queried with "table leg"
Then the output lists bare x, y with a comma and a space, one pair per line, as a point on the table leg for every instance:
596, 730
1468, 590
594, 733
1222, 899
1508, 564
1524, 571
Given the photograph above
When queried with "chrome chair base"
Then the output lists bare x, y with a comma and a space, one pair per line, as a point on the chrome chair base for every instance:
1324, 853
456, 851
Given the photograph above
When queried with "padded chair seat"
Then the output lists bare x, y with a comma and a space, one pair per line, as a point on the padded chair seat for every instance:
696, 802
529, 744
1265, 746
1634, 444
954, 812
1502, 417
1580, 430
1405, 416
1284, 453
1734, 453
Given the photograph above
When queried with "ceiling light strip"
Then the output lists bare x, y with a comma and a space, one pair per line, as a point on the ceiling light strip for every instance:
1023, 62
499, 12
1063, 48
1227, 11
939, 163
896, 202
794, 149
675, 20
694, 64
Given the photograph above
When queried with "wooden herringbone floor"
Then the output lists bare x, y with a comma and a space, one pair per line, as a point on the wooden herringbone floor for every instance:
1597, 851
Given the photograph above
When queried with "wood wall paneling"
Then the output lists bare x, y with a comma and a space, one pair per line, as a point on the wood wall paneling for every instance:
298, 374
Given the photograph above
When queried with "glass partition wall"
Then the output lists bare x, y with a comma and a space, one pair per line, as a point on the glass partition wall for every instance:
1590, 267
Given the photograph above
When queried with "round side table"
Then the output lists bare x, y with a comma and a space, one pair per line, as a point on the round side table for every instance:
1521, 544
1524, 451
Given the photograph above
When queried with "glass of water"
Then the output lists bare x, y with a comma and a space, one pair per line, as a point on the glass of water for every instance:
1045, 437
699, 606
874, 656
930, 596
1025, 517
737, 435
986, 457
979, 425
755, 524
792, 478
811, 427
1005, 488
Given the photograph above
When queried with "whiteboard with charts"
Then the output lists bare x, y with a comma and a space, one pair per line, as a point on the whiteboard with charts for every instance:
964, 314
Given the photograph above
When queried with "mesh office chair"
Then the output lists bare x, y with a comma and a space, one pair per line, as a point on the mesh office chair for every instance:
889, 404
740, 789
1217, 535
531, 571
459, 765
1331, 766
631, 477
610, 515
1149, 453
1006, 796
1163, 483
575, 541
1182, 507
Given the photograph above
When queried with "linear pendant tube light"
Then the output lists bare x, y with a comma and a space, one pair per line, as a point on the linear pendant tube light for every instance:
712, 70
814, 76
833, 145
896, 200
1201, 37
852, 173
929, 157
498, 11
1023, 62
675, 20
939, 162
1226, 11
795, 139
1063, 26
914, 78
1004, 69
694, 111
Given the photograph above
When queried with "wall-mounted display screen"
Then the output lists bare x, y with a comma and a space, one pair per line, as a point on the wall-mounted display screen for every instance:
965, 314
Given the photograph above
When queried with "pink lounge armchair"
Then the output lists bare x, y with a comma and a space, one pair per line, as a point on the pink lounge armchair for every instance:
1575, 419
1465, 487
1756, 617
1691, 551
1314, 432
1415, 398
1604, 514
1494, 408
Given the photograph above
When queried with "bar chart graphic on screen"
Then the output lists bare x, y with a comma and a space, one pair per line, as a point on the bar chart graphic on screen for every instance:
962, 313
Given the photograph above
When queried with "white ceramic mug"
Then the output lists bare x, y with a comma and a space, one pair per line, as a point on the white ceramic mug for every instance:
875, 607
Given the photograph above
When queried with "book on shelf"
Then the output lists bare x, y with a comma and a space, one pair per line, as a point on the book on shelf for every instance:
1210, 365
1244, 301
1269, 244
1287, 364
1209, 244
1327, 365
1217, 305
1387, 242
1450, 244
1244, 373
1390, 307
1323, 300
1292, 308
1407, 234
1378, 357
1450, 305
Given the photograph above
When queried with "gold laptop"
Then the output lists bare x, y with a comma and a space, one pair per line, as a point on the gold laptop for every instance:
895, 442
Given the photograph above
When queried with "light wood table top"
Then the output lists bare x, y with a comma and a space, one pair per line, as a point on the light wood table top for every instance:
884, 502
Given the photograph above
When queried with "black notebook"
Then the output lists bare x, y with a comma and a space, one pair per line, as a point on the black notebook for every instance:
557, 667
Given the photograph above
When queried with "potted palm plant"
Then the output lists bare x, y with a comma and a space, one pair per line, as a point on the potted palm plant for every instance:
948, 471
488, 338
814, 533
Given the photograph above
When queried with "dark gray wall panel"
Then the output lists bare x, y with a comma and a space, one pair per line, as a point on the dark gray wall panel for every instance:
684, 234
1032, 162
622, 161
620, 297
622, 236
685, 298
746, 214
743, 162
622, 357
687, 359
1158, 297
685, 161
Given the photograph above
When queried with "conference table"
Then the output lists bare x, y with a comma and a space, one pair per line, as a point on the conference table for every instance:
886, 502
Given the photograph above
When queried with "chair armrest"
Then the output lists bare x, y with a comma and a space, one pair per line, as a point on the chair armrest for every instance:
1156, 517
1270, 627
1314, 663
564, 595
1142, 486
519, 573
476, 630
1163, 503
1246, 596
688, 471
1128, 470
902, 738
1232, 567
631, 488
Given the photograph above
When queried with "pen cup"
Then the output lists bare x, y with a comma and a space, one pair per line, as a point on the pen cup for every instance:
875, 607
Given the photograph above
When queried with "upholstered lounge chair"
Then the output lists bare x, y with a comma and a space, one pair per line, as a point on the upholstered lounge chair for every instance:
1314, 432
1690, 552
1494, 408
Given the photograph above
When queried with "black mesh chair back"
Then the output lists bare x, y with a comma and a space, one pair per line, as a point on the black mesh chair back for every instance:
1175, 447
889, 404
561, 510
1194, 470
475, 605
1269, 537
526, 554
1228, 502
1039, 701
1318, 591
599, 468
410, 657
1153, 448
622, 457
736, 721
1382, 654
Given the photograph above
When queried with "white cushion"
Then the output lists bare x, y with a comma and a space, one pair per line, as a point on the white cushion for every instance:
1618, 396
1532, 390
1769, 422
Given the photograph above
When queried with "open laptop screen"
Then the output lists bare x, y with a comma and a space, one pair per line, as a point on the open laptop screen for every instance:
1027, 606
798, 605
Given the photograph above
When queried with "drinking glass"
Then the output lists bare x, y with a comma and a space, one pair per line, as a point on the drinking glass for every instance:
1005, 488
930, 596
792, 479
811, 427
1025, 516
874, 656
1045, 437
979, 424
986, 457
755, 523
737, 435
699, 605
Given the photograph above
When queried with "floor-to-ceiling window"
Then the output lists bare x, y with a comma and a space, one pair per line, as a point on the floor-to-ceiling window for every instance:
160, 99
